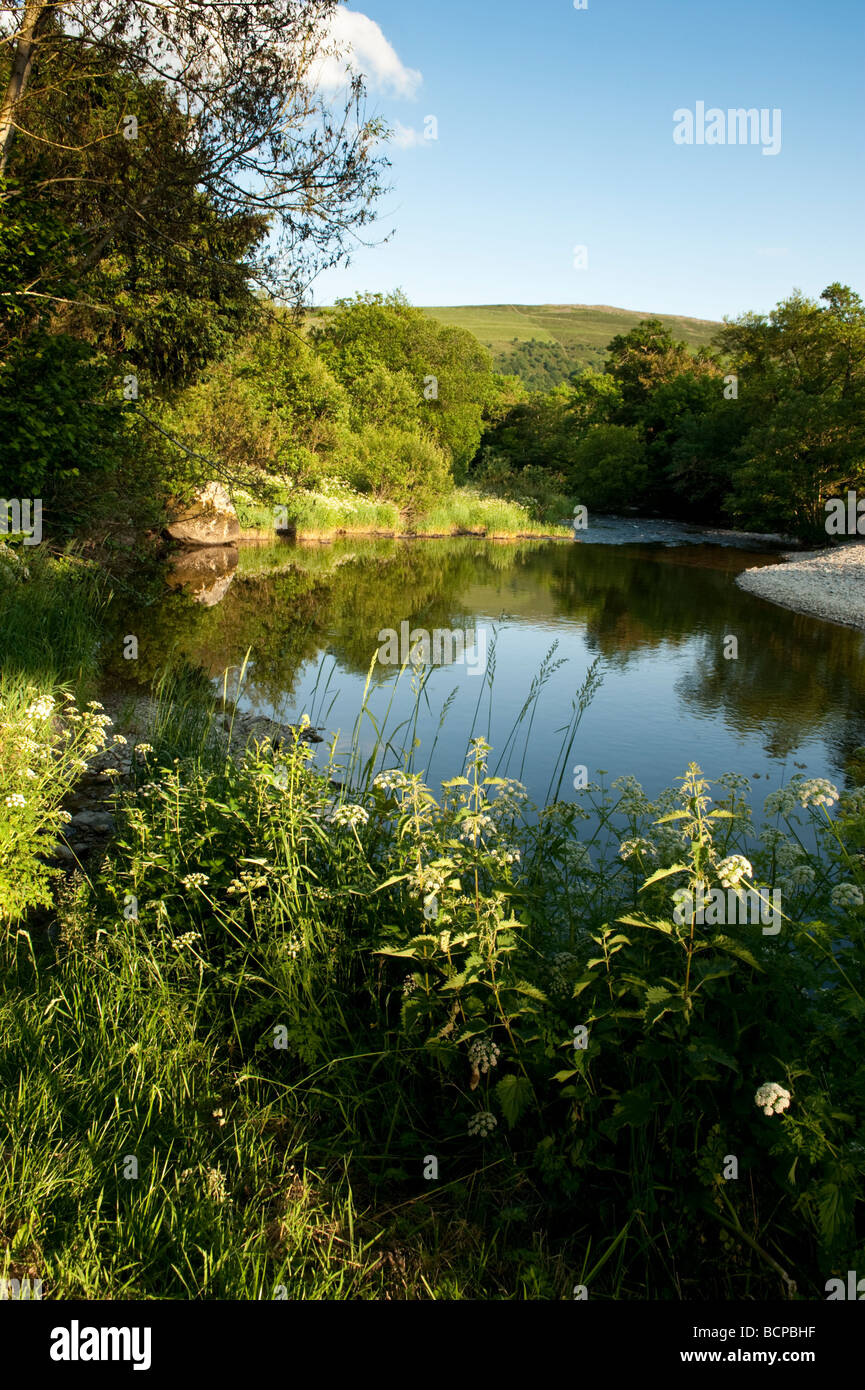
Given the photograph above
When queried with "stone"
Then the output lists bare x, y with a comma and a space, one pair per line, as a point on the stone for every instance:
205, 573
99, 822
209, 519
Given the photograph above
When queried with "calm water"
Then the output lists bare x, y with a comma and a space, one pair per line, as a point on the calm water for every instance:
657, 616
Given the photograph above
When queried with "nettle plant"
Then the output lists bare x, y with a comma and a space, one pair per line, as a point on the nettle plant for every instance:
46, 742
467, 992
686, 1019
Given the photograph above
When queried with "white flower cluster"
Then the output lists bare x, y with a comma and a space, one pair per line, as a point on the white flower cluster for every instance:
474, 827
142, 749
39, 710
409, 985
195, 880
782, 802
817, 792
772, 1098
293, 947
559, 967
180, 943
391, 782
16, 799
576, 857
847, 895
733, 869
482, 1124
349, 815
633, 800
484, 1053
800, 875
628, 849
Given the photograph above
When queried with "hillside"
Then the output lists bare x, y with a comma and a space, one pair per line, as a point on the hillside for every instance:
544, 343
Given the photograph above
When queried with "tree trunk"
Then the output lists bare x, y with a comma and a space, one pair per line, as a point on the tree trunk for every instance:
36, 14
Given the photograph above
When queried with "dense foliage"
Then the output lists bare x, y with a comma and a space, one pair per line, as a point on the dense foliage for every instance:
759, 432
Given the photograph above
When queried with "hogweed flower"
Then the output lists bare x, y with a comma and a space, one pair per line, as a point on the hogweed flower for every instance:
484, 1053
847, 895
482, 1124
772, 1098
817, 792
195, 880
349, 815
733, 869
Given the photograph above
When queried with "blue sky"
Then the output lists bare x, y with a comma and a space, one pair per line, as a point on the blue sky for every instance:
555, 130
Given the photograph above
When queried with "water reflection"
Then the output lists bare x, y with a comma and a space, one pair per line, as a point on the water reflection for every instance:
658, 617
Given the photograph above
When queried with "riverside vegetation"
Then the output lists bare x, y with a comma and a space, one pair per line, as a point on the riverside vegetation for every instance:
315, 1032
311, 1032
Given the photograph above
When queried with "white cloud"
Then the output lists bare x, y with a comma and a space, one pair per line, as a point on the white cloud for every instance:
405, 138
363, 48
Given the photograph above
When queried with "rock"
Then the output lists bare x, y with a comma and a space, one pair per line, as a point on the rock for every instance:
205, 573
99, 822
210, 519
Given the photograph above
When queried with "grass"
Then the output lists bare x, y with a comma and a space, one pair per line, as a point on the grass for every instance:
574, 326
317, 516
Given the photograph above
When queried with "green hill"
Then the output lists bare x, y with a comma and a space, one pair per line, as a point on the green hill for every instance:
544, 343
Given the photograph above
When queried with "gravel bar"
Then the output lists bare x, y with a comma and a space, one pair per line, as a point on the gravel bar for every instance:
828, 584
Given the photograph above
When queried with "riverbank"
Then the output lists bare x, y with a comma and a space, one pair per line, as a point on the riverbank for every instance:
827, 584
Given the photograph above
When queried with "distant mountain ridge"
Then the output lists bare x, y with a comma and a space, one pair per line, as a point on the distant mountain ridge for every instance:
545, 343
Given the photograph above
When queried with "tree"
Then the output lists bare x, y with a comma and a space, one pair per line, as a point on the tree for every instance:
256, 136
802, 393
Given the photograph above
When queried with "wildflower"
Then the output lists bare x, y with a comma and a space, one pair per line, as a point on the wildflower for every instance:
772, 1098
576, 857
641, 845
64, 817
801, 874
733, 869
195, 880
817, 792
94, 704
349, 815
42, 708
484, 1054
847, 895
483, 1123
781, 802
215, 1182
409, 985
219, 1116
294, 946
180, 943
476, 826
142, 749
390, 782
16, 799
118, 739
559, 966
111, 772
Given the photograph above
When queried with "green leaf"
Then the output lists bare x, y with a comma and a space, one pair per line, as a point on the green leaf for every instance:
665, 873
514, 1094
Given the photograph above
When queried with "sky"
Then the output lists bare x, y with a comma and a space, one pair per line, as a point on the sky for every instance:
555, 131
